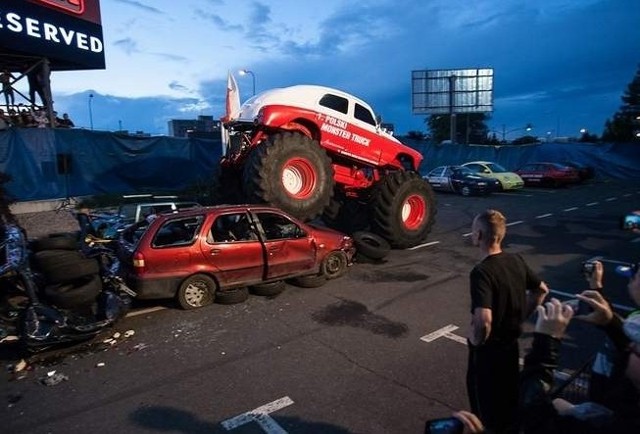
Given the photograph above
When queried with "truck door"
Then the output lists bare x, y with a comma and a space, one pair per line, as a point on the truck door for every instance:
289, 249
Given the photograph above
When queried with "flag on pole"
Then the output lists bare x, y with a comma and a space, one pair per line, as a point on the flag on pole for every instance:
232, 109
233, 99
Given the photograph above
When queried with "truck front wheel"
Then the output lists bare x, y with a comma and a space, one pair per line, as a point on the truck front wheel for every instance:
403, 209
292, 172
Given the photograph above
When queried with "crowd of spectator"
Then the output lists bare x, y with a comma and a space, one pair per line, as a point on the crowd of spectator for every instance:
33, 117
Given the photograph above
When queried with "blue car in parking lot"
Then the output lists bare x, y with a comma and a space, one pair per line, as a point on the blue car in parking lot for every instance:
461, 180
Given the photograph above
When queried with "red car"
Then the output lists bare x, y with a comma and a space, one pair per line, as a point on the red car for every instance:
203, 253
548, 174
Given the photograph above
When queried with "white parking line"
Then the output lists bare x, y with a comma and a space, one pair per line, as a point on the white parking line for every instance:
573, 208
636, 240
468, 234
611, 199
542, 216
143, 311
419, 246
592, 204
627, 195
515, 223
446, 332
261, 416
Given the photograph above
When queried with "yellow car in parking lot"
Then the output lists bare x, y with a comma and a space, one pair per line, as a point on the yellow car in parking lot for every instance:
508, 180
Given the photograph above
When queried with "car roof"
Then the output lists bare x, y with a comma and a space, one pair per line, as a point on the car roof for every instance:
223, 209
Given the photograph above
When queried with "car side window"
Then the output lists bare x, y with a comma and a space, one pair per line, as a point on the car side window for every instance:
277, 227
177, 232
363, 114
231, 228
335, 102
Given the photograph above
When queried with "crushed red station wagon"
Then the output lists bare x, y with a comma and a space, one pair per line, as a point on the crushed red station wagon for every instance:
199, 254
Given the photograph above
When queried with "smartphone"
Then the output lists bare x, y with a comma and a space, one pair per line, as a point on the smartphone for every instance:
579, 307
630, 222
447, 425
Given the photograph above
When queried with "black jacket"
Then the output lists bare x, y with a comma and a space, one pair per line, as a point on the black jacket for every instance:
538, 414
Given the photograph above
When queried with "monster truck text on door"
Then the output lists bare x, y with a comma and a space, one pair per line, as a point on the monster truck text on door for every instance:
313, 150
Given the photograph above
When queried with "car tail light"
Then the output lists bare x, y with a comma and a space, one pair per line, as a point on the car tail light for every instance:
138, 263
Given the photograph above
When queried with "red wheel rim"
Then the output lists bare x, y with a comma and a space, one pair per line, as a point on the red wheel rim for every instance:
299, 178
414, 211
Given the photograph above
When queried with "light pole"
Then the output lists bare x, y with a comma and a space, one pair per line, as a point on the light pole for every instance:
253, 77
527, 128
90, 111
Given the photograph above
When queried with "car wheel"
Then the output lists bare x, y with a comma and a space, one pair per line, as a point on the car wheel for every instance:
196, 291
80, 292
232, 296
403, 209
268, 289
62, 242
60, 266
309, 281
292, 172
334, 265
371, 245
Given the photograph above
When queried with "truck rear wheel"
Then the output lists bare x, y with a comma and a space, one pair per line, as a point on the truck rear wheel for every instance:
403, 209
292, 172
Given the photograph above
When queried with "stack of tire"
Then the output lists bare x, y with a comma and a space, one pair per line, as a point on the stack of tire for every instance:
69, 280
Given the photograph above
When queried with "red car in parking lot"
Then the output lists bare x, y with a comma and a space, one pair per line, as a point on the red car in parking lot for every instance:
196, 255
548, 174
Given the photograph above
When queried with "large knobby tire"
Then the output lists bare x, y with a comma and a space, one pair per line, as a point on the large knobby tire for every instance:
227, 186
196, 291
292, 172
403, 209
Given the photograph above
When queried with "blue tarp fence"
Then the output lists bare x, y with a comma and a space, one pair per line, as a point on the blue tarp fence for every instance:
55, 163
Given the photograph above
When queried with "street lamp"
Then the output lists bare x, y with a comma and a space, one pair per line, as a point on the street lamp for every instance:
253, 76
90, 111
527, 128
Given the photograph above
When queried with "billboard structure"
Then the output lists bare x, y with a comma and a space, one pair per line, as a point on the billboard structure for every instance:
66, 32
40, 36
452, 92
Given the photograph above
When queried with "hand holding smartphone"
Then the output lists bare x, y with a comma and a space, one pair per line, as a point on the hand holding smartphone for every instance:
447, 425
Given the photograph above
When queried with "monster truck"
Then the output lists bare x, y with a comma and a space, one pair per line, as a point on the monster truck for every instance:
313, 150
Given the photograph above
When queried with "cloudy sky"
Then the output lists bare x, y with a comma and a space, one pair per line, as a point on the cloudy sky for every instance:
561, 65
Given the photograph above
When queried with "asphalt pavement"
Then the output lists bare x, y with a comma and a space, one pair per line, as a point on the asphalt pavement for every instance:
380, 350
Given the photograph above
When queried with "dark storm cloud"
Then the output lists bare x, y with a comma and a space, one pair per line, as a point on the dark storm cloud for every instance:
140, 5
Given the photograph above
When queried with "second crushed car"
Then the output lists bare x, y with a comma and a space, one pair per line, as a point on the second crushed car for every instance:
200, 254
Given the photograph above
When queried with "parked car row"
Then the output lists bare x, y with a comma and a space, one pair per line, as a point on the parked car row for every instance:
485, 177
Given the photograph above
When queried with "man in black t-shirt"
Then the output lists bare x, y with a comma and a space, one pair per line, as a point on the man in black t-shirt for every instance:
504, 292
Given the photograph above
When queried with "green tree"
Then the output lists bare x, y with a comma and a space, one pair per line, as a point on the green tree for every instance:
625, 124
470, 127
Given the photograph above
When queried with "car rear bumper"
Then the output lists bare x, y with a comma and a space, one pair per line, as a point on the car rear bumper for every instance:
154, 288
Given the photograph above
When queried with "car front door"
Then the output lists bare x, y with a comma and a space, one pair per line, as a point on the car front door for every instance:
236, 255
289, 248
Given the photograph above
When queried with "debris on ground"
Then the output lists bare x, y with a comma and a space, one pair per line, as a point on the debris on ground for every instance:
52, 378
